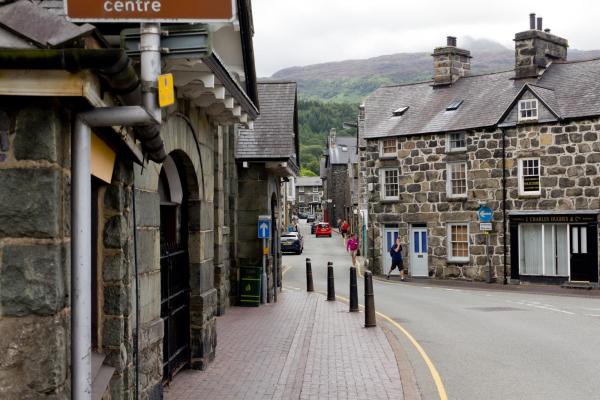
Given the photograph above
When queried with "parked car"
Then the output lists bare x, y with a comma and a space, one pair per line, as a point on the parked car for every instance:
292, 242
313, 227
323, 229
302, 215
310, 218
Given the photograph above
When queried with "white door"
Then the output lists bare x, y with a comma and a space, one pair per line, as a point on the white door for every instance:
389, 238
418, 252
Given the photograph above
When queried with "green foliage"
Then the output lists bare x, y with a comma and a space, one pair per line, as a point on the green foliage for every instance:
307, 172
343, 90
315, 119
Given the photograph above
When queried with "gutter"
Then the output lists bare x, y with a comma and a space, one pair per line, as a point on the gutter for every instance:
113, 65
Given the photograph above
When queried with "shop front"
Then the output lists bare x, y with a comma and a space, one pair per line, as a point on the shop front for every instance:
554, 247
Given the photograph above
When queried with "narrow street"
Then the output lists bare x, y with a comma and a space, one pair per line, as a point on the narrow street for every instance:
485, 344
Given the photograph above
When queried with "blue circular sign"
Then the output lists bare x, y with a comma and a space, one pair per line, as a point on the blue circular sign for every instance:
486, 214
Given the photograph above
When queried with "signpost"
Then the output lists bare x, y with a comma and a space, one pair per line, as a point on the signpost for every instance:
264, 233
486, 216
150, 10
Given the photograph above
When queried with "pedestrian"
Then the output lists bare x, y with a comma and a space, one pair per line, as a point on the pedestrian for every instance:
396, 253
344, 229
352, 248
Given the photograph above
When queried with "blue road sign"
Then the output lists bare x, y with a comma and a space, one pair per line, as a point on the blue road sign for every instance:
264, 229
486, 214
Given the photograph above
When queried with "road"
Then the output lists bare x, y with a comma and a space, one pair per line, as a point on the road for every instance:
486, 344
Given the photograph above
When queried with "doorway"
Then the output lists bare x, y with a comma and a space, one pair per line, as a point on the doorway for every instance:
419, 258
583, 254
174, 271
390, 234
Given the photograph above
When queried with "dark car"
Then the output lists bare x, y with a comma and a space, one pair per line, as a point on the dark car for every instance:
292, 242
323, 229
302, 215
310, 218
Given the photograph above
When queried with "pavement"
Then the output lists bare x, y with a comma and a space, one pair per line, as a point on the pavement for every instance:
302, 347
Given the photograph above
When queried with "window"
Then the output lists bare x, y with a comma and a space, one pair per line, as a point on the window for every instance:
399, 112
315, 189
544, 249
301, 189
528, 110
301, 198
389, 184
454, 105
458, 242
456, 142
457, 180
316, 199
529, 177
388, 148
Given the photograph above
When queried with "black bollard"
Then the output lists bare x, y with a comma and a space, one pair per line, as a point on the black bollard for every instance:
309, 279
330, 282
353, 290
369, 301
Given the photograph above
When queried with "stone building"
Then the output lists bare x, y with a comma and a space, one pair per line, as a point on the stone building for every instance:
309, 194
163, 204
341, 154
266, 156
523, 143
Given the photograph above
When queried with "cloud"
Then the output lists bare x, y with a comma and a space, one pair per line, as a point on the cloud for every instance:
292, 33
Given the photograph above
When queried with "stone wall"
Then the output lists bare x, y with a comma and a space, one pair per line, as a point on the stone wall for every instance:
570, 161
337, 182
34, 249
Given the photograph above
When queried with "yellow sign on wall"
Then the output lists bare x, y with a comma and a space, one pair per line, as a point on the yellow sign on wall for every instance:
166, 91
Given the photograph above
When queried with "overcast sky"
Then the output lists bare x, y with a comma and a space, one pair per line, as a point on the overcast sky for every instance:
302, 32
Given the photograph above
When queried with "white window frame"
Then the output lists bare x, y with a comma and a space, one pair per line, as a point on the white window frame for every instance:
449, 191
316, 198
382, 180
528, 106
300, 189
315, 189
457, 259
301, 199
393, 154
449, 148
521, 176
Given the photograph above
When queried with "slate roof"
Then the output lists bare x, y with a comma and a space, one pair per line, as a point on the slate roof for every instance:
572, 89
338, 156
275, 130
309, 181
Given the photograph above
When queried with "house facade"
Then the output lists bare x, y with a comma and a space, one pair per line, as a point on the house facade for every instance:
339, 158
522, 143
309, 194
162, 207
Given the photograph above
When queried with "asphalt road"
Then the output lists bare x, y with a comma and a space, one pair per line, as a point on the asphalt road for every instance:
486, 344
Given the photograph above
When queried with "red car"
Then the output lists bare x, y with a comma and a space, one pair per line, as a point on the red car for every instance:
323, 229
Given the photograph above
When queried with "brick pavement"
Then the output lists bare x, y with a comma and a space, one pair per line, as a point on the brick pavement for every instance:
302, 347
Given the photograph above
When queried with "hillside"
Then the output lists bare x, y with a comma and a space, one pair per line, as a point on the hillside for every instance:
351, 80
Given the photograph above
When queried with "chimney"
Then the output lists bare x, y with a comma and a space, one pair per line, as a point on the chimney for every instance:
450, 63
332, 134
536, 49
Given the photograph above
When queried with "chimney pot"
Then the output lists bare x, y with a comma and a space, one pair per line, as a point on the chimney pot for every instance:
539, 24
451, 41
532, 21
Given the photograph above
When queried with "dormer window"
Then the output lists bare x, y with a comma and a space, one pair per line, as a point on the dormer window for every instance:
399, 112
528, 110
454, 105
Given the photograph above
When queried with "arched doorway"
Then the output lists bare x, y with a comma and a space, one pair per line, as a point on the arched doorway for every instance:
174, 268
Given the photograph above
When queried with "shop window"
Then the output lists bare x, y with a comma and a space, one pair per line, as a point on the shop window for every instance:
529, 177
543, 250
458, 242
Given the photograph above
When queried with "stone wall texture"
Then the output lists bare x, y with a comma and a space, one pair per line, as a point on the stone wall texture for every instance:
570, 161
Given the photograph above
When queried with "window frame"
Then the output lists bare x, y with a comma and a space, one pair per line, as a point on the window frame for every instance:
449, 192
521, 108
300, 189
449, 148
301, 199
315, 189
521, 177
458, 259
316, 198
393, 154
382, 180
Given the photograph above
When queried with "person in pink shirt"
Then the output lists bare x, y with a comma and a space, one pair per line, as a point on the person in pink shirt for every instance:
352, 247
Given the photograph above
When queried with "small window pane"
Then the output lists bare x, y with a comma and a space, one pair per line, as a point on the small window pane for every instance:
575, 240
416, 242
424, 241
583, 240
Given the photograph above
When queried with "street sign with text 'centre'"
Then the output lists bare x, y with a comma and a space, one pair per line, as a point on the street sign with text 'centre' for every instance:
150, 10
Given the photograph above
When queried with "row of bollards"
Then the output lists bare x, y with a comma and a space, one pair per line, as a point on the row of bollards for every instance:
370, 319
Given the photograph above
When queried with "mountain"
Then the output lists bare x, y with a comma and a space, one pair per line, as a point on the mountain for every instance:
350, 81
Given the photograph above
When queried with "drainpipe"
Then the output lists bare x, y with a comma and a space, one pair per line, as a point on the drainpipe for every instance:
81, 266
504, 200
